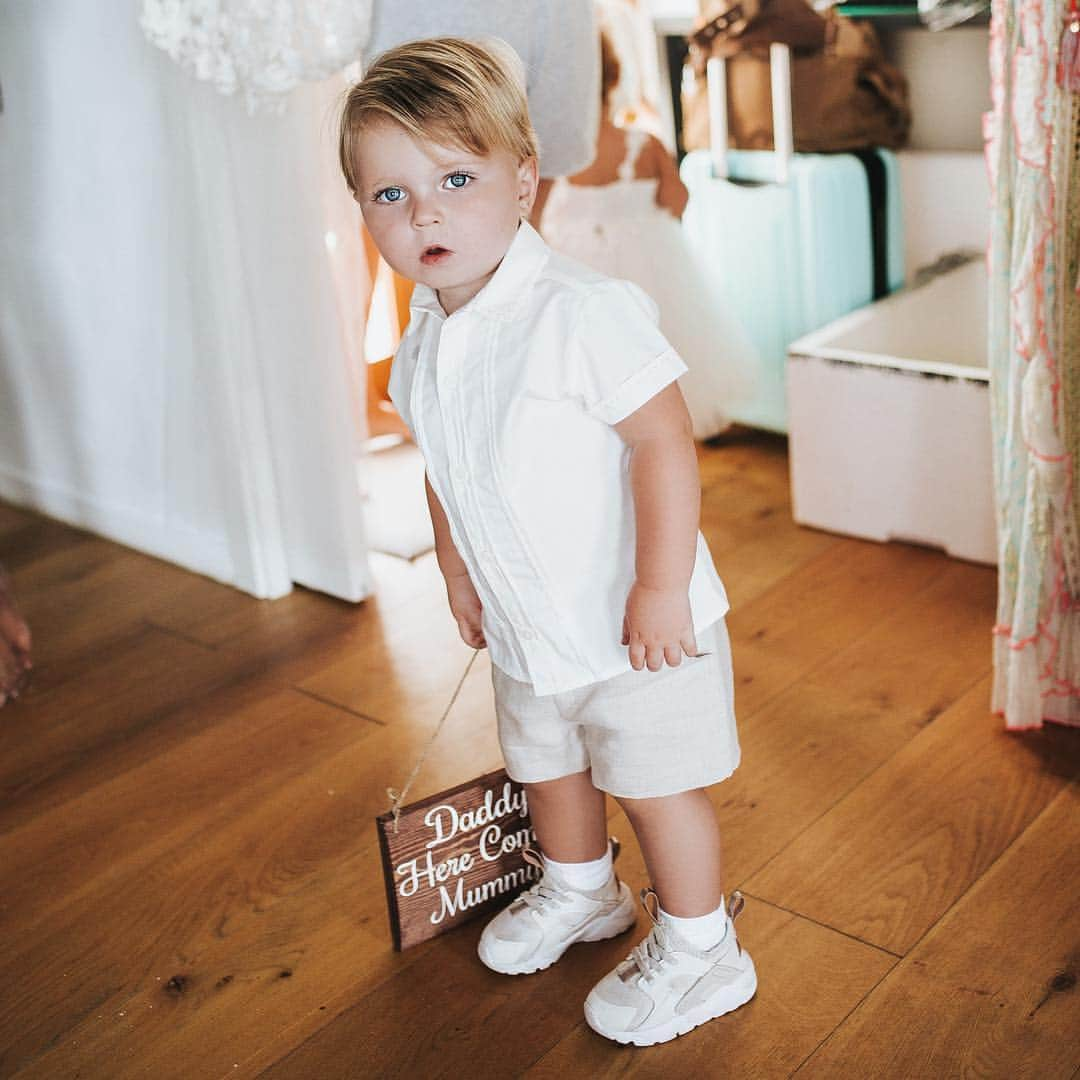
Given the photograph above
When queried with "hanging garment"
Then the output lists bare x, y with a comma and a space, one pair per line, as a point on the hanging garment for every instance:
619, 230
259, 48
1033, 150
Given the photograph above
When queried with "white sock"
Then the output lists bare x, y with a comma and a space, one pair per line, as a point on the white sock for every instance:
581, 876
704, 931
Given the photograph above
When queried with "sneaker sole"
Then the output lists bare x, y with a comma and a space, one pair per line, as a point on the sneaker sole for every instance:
616, 922
733, 997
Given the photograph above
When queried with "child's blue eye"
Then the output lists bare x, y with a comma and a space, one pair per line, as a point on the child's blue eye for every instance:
389, 195
458, 180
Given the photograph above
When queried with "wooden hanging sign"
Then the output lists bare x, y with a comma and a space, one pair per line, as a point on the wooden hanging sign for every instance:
454, 856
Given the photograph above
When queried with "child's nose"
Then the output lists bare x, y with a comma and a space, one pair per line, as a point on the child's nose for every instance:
426, 212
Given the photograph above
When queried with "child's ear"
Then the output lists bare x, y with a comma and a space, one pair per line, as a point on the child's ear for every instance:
528, 179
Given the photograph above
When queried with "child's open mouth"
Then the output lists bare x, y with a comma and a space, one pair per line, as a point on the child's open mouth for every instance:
434, 254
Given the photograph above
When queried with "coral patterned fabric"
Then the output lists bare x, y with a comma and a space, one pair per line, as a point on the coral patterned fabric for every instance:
1033, 154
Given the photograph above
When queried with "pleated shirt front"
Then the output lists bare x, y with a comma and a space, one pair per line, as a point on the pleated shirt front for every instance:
511, 400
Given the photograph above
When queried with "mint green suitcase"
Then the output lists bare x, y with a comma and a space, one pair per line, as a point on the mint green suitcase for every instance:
787, 238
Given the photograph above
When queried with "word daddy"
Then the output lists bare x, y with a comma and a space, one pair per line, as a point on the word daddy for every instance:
446, 877
447, 822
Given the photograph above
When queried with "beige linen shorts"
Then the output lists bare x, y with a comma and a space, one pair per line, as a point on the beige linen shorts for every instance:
644, 733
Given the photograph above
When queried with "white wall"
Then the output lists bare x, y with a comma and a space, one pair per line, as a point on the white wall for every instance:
948, 76
946, 197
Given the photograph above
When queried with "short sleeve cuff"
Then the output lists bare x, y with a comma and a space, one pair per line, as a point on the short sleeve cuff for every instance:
640, 387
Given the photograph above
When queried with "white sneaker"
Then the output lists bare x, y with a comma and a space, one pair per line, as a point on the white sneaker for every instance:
666, 987
545, 920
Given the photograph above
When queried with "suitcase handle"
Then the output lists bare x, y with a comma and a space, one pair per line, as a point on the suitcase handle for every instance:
783, 138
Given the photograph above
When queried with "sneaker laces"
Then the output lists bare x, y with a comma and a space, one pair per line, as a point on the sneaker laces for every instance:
540, 894
654, 951
651, 954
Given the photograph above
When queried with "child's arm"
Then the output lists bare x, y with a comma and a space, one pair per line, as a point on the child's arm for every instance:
667, 504
671, 193
465, 604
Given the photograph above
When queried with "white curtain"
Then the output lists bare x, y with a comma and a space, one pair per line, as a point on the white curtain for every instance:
183, 306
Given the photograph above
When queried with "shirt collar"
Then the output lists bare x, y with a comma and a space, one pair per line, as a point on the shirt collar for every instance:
502, 297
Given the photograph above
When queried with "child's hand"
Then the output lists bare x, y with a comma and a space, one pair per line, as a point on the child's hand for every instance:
658, 627
466, 608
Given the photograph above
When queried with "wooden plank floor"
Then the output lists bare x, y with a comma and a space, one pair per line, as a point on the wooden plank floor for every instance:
191, 884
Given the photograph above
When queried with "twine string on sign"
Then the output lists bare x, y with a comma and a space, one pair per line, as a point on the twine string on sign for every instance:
398, 797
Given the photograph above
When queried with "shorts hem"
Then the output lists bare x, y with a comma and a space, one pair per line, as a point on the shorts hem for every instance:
521, 779
661, 793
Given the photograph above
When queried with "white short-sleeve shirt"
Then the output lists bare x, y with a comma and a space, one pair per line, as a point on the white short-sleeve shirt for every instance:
512, 400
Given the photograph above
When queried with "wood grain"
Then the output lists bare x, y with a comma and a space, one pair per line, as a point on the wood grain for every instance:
841, 714
192, 883
917, 833
992, 989
808, 977
455, 856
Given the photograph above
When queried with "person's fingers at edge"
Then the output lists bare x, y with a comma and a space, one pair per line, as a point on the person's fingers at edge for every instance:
10, 666
13, 627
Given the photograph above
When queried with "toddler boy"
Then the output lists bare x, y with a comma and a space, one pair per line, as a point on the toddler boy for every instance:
563, 487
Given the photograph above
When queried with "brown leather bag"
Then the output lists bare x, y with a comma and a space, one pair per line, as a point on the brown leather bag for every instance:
845, 95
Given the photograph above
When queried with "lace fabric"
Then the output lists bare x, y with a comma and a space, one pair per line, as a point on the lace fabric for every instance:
260, 49
941, 14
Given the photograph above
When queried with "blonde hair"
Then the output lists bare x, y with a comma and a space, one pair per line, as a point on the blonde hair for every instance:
469, 94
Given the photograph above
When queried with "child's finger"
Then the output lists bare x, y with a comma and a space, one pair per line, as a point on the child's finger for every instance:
625, 631
673, 655
689, 644
637, 654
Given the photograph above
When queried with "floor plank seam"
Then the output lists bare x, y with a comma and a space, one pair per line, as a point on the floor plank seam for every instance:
56, 1043
848, 1015
862, 780
581, 1025
333, 1016
829, 553
828, 810
823, 925
172, 632
337, 705
855, 641
988, 868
